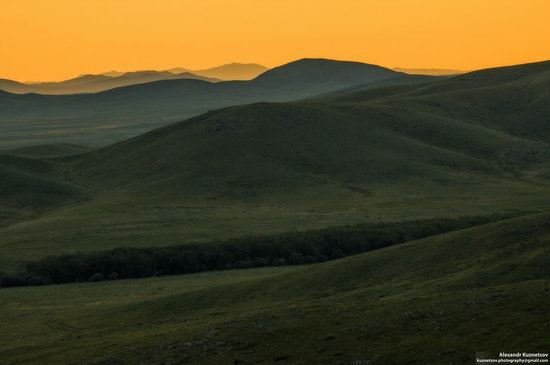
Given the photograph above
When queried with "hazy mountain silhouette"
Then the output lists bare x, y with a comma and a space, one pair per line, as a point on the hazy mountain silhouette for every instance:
95, 83
228, 72
233, 71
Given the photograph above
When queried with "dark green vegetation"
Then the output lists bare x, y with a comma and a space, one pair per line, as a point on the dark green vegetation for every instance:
471, 145
117, 114
295, 248
432, 301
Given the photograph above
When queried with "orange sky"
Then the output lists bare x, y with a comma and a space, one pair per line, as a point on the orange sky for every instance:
59, 39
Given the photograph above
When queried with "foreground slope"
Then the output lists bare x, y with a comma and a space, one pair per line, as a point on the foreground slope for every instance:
379, 307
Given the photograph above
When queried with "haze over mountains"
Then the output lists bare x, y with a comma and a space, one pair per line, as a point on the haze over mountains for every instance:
231, 71
91, 83
95, 83
114, 79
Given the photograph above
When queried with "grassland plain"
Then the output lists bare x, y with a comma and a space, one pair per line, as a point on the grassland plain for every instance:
378, 308
474, 144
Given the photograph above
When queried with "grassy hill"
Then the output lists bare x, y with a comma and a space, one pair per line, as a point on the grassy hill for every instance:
30, 187
394, 153
379, 307
117, 114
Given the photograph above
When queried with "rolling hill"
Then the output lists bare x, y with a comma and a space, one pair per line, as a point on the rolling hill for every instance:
422, 132
356, 310
117, 114
394, 153
317, 76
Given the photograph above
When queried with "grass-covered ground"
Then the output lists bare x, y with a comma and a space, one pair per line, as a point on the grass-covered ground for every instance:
437, 301
118, 221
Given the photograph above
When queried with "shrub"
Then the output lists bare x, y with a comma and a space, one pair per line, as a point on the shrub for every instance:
9, 281
280, 262
311, 259
296, 259
96, 277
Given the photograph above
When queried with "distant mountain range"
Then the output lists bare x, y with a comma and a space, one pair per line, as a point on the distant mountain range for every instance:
232, 71
108, 116
91, 83
113, 79
86, 84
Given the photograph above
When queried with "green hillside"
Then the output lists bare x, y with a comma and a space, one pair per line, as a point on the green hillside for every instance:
378, 308
395, 153
30, 187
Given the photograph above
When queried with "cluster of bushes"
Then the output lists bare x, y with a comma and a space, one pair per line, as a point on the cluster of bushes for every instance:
295, 248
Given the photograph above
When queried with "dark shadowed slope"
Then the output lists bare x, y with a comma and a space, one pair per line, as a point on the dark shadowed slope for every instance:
31, 186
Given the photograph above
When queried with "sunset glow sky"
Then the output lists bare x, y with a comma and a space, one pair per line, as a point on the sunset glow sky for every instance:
60, 39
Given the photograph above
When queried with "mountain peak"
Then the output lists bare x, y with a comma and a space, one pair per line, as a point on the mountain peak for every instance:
325, 74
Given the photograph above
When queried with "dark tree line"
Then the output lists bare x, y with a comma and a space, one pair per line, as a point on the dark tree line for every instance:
295, 248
